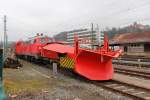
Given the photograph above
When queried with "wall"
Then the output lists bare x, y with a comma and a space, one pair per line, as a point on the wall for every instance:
135, 48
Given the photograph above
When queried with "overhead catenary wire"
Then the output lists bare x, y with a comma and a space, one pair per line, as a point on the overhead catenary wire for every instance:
124, 11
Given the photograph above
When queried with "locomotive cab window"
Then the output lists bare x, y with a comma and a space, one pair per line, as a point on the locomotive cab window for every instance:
42, 40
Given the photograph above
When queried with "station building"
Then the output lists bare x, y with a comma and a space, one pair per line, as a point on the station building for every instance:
132, 43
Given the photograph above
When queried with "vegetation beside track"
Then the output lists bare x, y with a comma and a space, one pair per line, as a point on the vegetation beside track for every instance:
26, 79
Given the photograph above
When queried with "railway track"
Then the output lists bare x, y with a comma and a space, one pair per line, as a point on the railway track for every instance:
136, 93
132, 63
133, 72
128, 90
134, 59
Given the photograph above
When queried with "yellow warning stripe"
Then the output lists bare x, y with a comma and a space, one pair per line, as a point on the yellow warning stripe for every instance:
69, 63
66, 62
63, 61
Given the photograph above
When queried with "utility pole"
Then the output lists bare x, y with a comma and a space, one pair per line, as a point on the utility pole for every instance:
5, 37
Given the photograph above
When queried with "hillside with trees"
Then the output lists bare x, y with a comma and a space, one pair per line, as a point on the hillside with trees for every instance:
134, 28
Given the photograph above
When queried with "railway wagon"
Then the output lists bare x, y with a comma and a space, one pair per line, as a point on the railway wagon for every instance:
91, 64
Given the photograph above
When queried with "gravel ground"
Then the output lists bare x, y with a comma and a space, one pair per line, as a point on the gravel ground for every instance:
34, 82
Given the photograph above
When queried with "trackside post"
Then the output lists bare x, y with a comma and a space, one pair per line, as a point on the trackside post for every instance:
54, 64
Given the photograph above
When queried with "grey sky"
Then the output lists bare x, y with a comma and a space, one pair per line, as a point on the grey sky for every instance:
27, 17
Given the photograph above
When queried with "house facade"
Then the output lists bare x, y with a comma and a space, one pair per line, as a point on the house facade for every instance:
132, 43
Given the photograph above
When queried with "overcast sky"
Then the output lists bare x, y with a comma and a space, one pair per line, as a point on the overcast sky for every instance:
28, 17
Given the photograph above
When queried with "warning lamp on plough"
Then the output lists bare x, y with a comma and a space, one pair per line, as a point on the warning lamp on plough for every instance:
92, 64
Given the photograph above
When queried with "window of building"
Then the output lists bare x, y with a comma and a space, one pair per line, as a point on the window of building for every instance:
135, 45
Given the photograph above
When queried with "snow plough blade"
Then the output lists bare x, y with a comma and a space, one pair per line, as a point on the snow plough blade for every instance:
94, 66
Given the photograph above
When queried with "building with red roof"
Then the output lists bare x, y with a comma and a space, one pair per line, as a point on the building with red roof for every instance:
132, 42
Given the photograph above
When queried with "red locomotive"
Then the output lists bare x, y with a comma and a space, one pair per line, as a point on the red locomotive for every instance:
32, 47
92, 64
